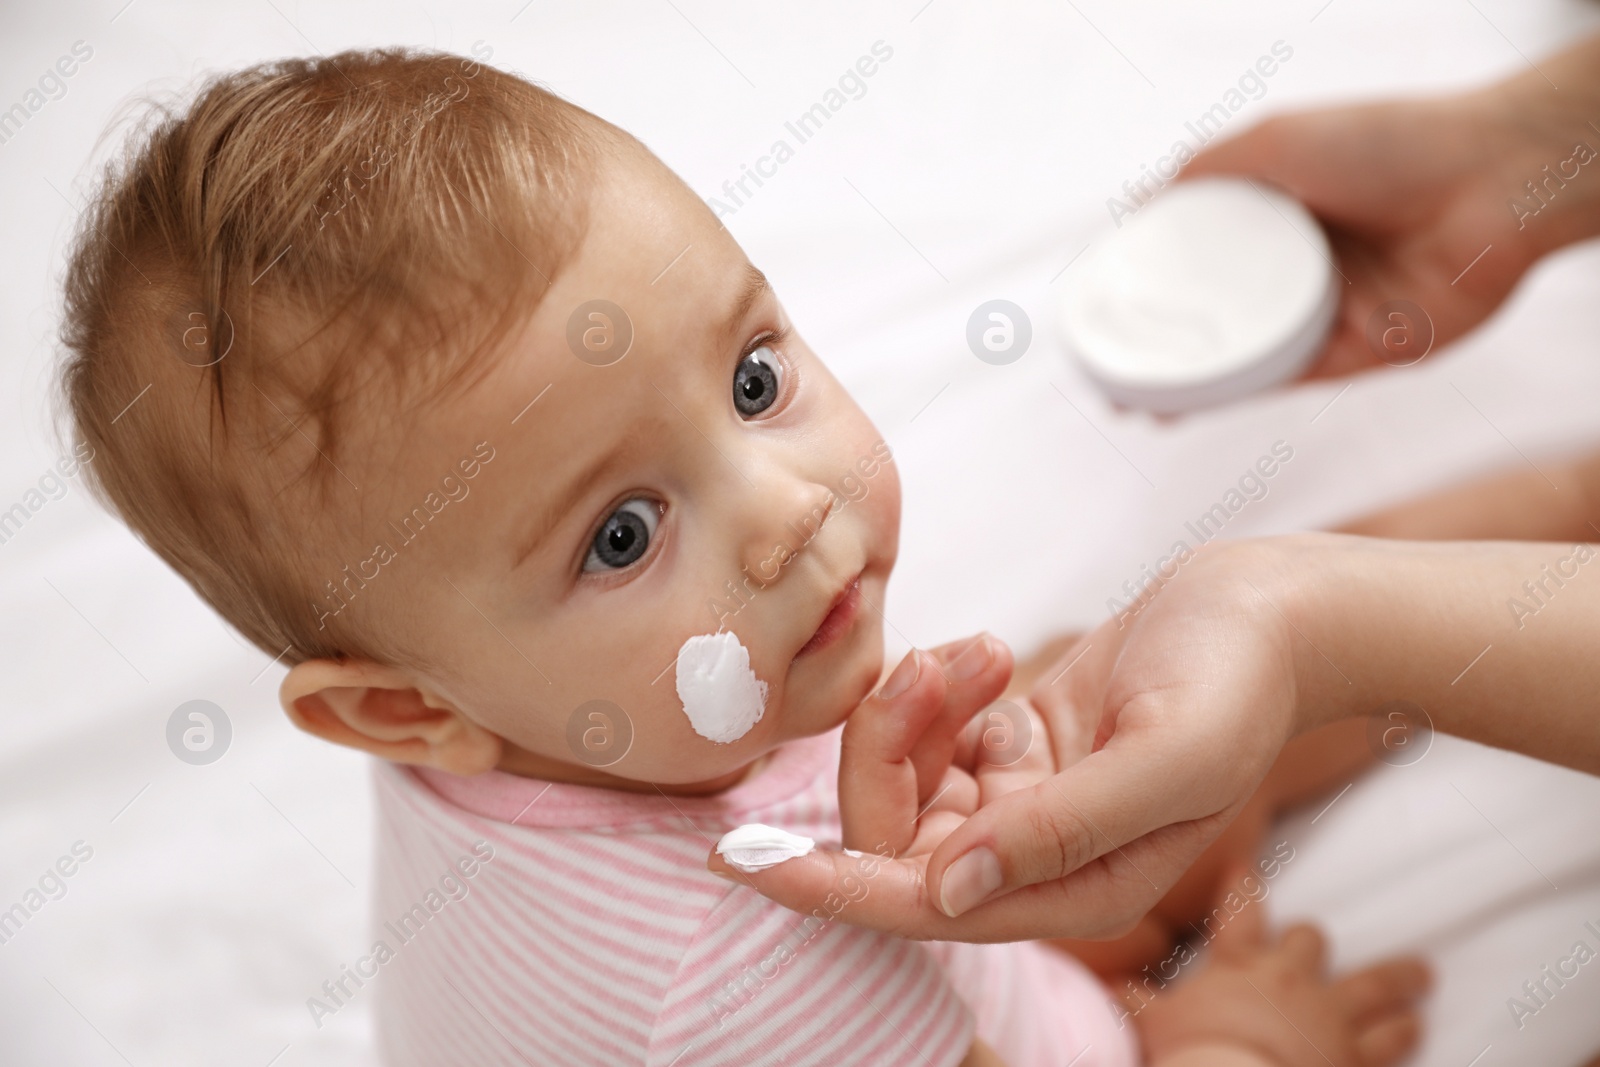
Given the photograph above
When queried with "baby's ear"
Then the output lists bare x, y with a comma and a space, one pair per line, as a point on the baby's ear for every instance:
381, 710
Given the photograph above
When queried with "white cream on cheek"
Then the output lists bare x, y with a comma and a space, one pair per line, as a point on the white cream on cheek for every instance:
756, 846
721, 694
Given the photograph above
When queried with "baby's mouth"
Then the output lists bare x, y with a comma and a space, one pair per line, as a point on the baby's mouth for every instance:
841, 615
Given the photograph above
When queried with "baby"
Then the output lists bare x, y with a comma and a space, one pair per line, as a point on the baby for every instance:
450, 395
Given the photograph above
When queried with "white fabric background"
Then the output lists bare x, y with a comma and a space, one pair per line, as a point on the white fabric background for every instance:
976, 166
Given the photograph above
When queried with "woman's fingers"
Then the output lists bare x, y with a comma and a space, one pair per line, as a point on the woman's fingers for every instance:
1190, 709
871, 890
1407, 197
1106, 898
1135, 785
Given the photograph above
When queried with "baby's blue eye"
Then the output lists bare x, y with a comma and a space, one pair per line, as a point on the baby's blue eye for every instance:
624, 536
757, 381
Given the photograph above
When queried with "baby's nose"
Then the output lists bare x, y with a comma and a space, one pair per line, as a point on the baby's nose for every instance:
785, 519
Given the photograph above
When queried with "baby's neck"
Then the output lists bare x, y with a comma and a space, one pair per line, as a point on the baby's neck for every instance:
520, 761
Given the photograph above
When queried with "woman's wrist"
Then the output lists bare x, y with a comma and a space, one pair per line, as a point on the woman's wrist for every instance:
1377, 622
1546, 162
1311, 583
1471, 634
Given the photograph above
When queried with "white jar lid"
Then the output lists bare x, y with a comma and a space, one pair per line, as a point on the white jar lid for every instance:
1213, 290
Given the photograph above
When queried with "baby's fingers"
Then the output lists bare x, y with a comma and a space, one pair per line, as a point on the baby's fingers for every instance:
1236, 923
878, 782
948, 808
975, 672
1009, 749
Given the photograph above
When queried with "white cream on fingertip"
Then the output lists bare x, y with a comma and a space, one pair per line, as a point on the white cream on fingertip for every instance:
720, 693
756, 846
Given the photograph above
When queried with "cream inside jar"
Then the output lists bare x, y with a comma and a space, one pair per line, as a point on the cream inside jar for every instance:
1217, 288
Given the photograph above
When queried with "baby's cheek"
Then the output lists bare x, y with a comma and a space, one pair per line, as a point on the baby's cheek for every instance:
871, 477
669, 750
704, 710
881, 508
640, 732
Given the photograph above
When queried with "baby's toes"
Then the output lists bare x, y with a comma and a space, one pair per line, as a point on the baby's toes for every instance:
1383, 989
1305, 946
1388, 1040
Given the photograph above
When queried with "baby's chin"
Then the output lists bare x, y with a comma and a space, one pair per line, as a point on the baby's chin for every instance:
789, 725
826, 707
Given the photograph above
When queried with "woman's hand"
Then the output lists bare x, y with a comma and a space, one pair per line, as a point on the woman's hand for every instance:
1419, 199
1163, 728
1182, 707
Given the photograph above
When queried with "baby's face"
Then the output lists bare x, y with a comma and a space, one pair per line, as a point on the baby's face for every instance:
716, 477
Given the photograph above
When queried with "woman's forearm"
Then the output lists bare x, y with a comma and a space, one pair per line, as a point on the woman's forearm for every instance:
1557, 502
1546, 113
1496, 641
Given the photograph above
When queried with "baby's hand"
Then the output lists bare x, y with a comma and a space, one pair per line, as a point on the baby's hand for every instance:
914, 763
910, 764
1276, 1001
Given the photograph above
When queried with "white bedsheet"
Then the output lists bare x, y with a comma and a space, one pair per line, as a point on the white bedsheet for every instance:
977, 165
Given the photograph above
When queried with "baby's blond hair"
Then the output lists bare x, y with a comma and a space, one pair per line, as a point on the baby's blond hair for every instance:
305, 234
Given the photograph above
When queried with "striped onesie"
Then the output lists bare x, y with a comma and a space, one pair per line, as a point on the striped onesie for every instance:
530, 922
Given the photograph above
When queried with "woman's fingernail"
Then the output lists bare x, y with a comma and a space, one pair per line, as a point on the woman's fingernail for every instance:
968, 882
972, 662
726, 876
904, 676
